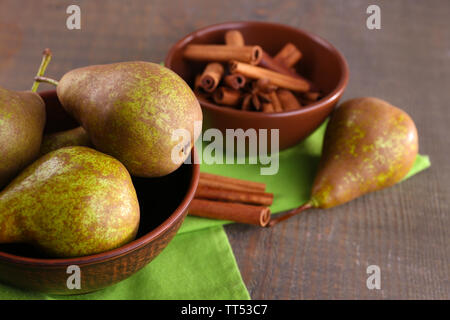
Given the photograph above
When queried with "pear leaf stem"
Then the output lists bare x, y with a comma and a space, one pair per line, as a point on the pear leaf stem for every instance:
47, 56
290, 214
40, 79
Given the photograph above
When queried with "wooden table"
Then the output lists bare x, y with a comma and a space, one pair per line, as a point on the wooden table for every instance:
318, 255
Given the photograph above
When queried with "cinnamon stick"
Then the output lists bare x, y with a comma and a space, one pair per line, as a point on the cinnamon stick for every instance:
311, 96
221, 53
289, 55
237, 212
268, 107
210, 78
275, 101
213, 180
227, 96
288, 101
198, 90
234, 38
264, 85
220, 194
278, 79
269, 63
235, 81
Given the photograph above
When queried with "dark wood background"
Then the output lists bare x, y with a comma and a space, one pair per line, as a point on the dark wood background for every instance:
319, 255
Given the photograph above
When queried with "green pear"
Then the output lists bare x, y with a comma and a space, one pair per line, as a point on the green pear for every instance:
22, 121
131, 110
62, 139
369, 145
72, 202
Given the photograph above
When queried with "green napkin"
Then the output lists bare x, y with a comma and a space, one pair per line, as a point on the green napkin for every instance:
291, 185
195, 265
199, 263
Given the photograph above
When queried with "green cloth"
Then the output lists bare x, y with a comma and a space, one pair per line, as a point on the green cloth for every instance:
199, 263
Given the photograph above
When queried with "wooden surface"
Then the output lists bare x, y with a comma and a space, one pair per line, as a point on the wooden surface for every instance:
319, 255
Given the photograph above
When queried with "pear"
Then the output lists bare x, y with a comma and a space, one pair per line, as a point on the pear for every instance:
62, 139
72, 202
369, 145
131, 110
22, 121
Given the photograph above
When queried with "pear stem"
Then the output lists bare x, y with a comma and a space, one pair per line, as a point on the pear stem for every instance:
47, 56
40, 79
290, 214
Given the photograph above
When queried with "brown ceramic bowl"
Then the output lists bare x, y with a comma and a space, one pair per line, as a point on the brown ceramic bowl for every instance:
321, 63
22, 266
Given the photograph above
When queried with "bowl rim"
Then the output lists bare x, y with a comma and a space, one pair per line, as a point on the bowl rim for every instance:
334, 95
125, 249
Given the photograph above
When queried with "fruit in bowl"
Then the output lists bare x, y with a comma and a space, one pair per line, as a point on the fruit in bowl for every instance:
27, 267
79, 206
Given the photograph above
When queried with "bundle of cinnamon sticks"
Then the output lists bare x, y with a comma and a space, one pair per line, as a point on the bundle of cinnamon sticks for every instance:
246, 77
225, 198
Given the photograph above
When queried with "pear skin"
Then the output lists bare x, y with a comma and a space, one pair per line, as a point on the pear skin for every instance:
71, 202
22, 121
130, 111
369, 145
62, 139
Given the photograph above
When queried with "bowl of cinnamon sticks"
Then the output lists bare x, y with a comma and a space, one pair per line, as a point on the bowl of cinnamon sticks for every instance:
261, 75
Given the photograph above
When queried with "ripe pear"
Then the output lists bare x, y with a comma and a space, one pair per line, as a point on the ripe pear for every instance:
22, 121
369, 145
131, 110
72, 202
62, 139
